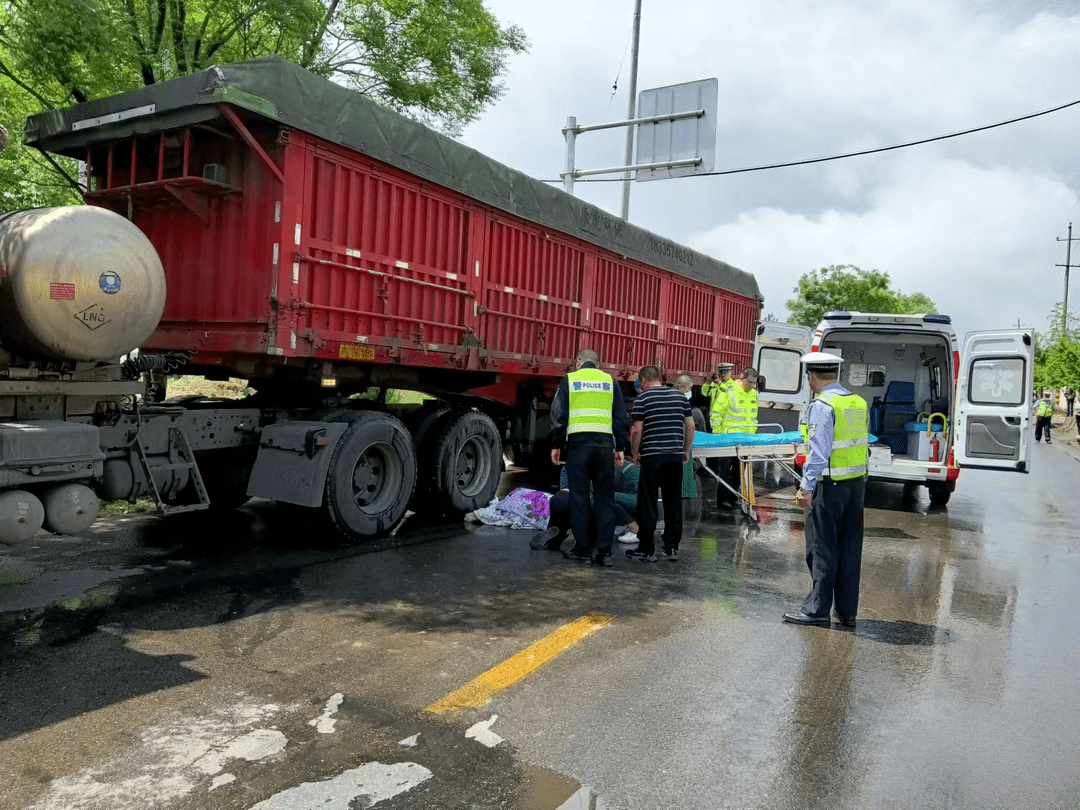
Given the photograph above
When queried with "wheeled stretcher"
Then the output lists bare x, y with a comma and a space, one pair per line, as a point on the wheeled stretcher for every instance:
778, 446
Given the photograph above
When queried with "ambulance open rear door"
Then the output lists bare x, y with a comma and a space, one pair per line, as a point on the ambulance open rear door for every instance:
995, 399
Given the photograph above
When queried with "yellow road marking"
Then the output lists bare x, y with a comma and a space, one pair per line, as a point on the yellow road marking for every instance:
516, 667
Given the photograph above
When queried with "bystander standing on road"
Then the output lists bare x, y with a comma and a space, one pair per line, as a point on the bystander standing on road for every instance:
661, 433
588, 425
1044, 413
739, 414
1070, 400
833, 490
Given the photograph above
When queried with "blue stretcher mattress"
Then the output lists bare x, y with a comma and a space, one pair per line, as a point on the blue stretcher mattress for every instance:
920, 427
702, 439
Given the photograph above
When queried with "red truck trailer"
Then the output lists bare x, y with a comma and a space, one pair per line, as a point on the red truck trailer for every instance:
319, 246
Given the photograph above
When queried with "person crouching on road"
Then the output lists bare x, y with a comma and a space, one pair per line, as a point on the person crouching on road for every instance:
661, 433
833, 490
1044, 412
588, 424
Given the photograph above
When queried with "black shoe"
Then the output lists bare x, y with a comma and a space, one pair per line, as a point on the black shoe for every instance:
577, 555
544, 539
640, 556
672, 554
605, 559
802, 618
847, 621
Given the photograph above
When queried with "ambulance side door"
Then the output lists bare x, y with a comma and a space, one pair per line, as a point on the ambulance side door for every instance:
995, 400
778, 348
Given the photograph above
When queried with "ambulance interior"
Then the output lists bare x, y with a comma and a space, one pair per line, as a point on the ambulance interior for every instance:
906, 379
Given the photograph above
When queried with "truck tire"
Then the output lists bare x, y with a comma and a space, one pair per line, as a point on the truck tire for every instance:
468, 461
940, 493
425, 438
371, 477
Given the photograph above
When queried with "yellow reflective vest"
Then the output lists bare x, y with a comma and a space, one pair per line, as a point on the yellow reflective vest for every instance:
717, 392
850, 436
592, 394
740, 411
1044, 408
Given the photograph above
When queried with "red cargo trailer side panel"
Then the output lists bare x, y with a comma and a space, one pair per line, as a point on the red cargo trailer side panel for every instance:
346, 258
383, 261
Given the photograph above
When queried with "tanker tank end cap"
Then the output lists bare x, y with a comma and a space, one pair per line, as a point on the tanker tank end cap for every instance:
821, 361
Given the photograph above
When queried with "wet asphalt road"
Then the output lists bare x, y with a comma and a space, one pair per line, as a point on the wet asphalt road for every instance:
249, 661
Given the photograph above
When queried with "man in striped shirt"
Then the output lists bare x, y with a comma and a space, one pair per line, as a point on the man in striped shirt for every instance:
661, 432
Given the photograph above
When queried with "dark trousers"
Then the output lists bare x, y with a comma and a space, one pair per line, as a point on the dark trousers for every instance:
660, 475
1069, 403
834, 541
560, 516
1042, 425
730, 471
593, 522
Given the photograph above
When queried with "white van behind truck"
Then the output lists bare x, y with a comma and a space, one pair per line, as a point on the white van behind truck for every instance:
933, 408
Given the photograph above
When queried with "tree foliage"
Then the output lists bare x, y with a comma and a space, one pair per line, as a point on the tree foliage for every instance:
1057, 354
439, 61
845, 286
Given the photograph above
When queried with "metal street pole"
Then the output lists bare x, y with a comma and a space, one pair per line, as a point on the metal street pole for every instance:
631, 110
1065, 305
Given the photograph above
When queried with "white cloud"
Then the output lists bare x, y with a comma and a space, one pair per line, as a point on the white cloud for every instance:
971, 221
979, 242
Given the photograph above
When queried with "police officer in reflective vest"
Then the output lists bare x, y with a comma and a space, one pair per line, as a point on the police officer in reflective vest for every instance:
1044, 412
738, 414
833, 488
590, 431
716, 390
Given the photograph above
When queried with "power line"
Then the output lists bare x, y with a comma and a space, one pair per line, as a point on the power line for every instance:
855, 154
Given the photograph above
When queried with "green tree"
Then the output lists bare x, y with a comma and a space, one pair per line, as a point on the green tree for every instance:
845, 286
1057, 354
438, 61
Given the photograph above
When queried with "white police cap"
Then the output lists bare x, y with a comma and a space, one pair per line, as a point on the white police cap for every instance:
821, 361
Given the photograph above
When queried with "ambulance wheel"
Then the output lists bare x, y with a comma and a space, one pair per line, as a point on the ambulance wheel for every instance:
940, 493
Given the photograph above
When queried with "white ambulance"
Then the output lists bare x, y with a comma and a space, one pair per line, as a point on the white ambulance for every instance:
933, 408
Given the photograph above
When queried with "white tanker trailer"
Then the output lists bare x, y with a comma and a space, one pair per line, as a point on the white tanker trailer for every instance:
79, 288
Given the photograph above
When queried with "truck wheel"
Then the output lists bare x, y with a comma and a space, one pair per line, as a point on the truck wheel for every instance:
468, 461
371, 477
939, 494
425, 438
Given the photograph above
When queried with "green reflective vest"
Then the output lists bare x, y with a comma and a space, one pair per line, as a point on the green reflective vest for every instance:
741, 411
850, 436
1044, 408
717, 393
592, 394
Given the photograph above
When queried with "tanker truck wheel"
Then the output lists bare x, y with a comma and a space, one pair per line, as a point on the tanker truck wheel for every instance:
371, 477
21, 515
468, 461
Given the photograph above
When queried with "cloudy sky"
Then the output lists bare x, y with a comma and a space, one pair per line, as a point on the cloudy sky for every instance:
973, 222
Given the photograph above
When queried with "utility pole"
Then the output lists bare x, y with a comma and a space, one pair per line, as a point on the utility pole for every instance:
1068, 253
631, 112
